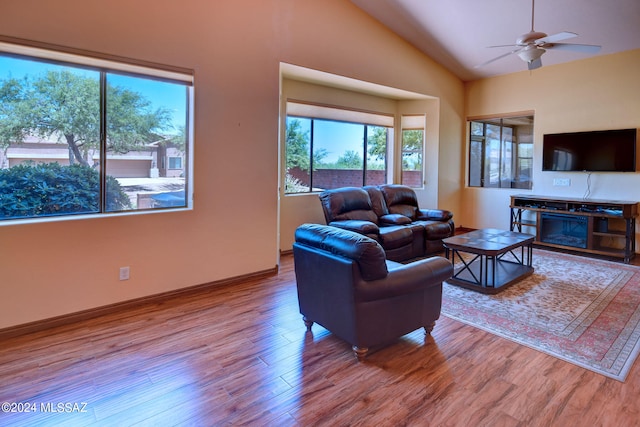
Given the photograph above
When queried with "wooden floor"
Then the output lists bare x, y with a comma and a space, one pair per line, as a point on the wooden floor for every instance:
240, 355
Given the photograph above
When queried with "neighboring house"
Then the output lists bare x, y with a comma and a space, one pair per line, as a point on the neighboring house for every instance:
157, 160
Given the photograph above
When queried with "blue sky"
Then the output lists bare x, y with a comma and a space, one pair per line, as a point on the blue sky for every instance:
335, 137
160, 94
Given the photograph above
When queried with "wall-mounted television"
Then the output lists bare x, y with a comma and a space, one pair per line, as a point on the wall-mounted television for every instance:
595, 151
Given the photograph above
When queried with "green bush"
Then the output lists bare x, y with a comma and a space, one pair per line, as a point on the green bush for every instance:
32, 190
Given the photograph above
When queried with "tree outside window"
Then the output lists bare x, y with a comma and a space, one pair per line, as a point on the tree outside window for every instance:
412, 149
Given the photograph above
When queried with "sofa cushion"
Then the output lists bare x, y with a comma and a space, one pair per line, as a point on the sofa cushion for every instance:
400, 199
406, 210
436, 230
395, 236
361, 215
348, 203
377, 200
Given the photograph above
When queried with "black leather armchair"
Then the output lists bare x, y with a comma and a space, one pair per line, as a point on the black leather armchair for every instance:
346, 284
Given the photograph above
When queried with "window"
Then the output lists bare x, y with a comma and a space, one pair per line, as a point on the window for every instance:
412, 150
175, 163
329, 148
501, 152
89, 137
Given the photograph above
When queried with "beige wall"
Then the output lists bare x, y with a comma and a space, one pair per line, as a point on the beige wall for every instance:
235, 48
596, 93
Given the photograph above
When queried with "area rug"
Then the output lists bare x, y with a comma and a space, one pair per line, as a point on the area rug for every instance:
582, 310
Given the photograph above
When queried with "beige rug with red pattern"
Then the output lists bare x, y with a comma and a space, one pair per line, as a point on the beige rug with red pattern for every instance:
583, 310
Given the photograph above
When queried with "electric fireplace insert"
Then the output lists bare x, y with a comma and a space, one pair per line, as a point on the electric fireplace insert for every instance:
566, 230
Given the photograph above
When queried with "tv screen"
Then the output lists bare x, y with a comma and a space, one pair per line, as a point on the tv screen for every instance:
596, 151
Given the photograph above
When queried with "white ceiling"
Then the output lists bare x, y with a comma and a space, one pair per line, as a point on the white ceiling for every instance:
456, 33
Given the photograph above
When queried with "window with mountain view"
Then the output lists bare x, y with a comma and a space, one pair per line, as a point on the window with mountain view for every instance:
80, 138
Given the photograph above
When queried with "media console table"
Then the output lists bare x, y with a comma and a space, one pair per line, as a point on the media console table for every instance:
600, 227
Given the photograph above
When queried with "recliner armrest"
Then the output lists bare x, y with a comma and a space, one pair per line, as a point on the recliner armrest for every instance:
395, 219
406, 278
434, 214
356, 225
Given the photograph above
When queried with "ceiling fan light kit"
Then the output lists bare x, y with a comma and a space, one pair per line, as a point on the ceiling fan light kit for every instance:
530, 46
530, 53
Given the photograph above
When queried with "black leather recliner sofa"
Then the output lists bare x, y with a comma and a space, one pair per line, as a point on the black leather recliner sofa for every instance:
346, 284
390, 215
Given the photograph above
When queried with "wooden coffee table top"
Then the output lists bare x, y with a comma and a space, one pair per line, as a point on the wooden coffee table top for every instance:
488, 241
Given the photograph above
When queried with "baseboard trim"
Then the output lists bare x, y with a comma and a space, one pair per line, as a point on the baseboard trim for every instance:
79, 316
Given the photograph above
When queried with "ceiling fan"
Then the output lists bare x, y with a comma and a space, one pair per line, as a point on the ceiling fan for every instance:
530, 46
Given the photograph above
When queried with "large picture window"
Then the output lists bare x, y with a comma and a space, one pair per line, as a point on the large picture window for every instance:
501, 152
89, 138
330, 148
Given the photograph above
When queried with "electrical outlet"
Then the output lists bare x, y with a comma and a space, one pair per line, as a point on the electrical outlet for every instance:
124, 273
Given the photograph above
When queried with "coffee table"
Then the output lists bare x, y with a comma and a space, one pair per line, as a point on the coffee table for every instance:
494, 263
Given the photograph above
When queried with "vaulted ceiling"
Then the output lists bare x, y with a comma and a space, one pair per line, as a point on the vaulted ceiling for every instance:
457, 33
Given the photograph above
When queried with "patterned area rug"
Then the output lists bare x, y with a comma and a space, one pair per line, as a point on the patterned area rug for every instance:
585, 311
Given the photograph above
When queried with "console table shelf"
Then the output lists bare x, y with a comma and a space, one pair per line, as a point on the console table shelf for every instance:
600, 227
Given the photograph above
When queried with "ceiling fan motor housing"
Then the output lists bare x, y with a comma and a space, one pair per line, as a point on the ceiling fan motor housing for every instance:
529, 38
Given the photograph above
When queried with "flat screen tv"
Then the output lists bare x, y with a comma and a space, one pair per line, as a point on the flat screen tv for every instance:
595, 151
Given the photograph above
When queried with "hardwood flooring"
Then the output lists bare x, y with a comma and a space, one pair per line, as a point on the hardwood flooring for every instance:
240, 355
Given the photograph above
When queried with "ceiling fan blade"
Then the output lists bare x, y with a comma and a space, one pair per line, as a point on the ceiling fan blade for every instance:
584, 48
537, 63
556, 37
496, 58
501, 45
